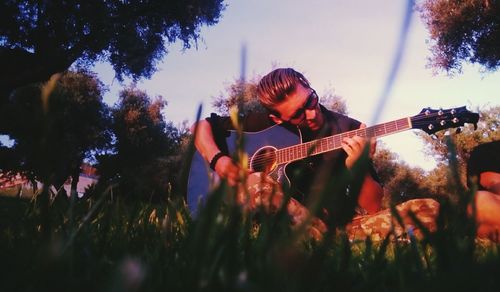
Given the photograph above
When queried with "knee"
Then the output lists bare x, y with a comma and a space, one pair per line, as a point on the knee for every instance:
487, 208
490, 181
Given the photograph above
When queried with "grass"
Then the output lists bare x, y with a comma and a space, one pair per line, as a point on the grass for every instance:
105, 244
109, 245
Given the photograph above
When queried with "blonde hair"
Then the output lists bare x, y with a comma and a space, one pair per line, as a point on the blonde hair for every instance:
277, 85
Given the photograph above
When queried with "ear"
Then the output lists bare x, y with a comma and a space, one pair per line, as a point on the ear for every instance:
276, 119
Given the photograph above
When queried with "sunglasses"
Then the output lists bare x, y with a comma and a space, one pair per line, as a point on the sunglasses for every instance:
310, 104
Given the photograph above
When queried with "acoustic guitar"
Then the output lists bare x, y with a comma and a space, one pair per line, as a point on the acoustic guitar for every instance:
273, 149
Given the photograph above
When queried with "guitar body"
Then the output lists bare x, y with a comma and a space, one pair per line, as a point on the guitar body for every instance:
202, 180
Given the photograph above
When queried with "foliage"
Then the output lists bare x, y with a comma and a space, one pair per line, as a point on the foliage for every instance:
437, 180
334, 102
463, 31
400, 181
40, 38
242, 93
102, 244
146, 152
55, 129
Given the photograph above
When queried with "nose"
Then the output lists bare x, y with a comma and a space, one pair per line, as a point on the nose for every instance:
310, 114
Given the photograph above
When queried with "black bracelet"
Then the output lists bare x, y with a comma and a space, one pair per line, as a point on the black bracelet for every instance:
214, 160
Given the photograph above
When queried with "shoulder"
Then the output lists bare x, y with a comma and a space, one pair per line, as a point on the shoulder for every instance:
343, 122
487, 153
489, 148
251, 122
256, 121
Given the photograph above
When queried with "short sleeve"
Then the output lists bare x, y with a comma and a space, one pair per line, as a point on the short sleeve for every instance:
222, 125
483, 158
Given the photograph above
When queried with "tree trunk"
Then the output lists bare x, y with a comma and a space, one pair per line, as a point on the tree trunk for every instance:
75, 177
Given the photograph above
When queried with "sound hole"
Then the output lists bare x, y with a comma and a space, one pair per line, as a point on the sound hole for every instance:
264, 160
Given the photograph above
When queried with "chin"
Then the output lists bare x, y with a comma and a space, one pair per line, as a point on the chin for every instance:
312, 127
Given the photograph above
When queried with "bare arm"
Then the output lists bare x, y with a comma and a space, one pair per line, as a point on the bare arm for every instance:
491, 181
204, 140
370, 196
205, 144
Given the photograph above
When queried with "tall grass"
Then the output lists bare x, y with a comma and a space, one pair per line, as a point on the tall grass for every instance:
105, 244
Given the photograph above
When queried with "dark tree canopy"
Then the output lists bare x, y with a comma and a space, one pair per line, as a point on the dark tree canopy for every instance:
40, 38
145, 161
54, 133
463, 31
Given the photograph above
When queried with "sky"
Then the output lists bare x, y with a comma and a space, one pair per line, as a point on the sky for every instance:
343, 45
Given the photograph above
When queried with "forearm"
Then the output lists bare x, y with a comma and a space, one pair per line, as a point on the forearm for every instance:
205, 143
204, 140
370, 196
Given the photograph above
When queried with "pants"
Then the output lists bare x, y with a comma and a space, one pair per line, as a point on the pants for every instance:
261, 191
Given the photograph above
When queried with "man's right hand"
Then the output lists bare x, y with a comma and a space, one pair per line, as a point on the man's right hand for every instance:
227, 169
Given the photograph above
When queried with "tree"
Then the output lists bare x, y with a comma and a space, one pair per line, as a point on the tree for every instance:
239, 92
487, 131
437, 181
334, 102
463, 31
55, 128
40, 38
400, 181
145, 159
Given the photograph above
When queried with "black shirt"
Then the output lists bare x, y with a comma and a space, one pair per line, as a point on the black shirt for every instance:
484, 157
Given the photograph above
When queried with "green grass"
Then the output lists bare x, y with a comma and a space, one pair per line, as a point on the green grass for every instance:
104, 244
17, 191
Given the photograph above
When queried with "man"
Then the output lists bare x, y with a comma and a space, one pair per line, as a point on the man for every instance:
290, 101
483, 171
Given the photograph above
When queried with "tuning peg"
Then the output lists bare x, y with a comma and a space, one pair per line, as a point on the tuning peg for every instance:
440, 112
459, 130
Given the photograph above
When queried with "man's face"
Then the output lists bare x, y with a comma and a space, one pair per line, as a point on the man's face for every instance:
300, 108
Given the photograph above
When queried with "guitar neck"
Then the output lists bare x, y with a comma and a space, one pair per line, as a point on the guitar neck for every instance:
334, 142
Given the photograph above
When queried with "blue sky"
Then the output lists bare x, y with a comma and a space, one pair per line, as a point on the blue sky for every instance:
345, 45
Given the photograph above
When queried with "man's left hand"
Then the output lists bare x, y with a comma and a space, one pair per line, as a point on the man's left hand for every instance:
354, 147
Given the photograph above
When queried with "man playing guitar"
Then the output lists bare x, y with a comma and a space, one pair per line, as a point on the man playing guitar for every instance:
302, 135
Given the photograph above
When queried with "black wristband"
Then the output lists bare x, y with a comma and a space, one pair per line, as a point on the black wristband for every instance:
214, 160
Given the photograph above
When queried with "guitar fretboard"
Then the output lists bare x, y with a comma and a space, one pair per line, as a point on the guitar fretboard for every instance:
334, 142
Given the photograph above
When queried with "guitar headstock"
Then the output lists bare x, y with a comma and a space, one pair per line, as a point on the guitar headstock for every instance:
432, 121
